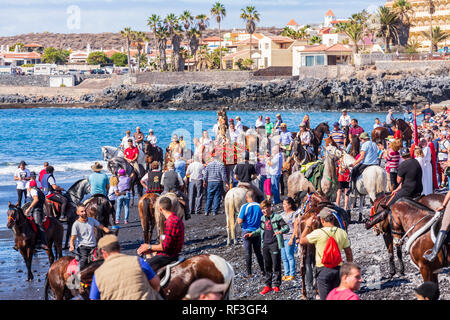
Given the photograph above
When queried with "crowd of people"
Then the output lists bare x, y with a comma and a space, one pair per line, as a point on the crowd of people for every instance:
420, 169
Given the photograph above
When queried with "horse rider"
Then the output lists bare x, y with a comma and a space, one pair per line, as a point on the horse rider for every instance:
245, 173
345, 121
152, 179
409, 178
286, 141
172, 182
54, 192
124, 142
390, 118
37, 210
368, 157
131, 155
151, 138
338, 136
139, 138
443, 232
277, 124
98, 181
172, 241
305, 137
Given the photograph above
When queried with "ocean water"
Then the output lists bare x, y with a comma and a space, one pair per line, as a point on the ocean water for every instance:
71, 139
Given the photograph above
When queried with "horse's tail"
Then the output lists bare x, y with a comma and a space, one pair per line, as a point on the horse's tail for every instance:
46, 287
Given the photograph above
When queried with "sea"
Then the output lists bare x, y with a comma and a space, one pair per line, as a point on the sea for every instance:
70, 139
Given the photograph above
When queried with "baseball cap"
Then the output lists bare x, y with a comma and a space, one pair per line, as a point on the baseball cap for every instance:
364, 135
204, 286
33, 183
22, 163
267, 118
335, 124
106, 240
325, 212
283, 125
428, 290
405, 152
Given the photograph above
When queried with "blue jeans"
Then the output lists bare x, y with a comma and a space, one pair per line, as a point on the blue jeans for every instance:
287, 255
124, 201
261, 183
275, 186
213, 196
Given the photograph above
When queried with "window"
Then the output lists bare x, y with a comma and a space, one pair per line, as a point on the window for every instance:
266, 46
309, 61
320, 61
266, 62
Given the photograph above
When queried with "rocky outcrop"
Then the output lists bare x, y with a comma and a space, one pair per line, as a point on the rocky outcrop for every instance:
370, 94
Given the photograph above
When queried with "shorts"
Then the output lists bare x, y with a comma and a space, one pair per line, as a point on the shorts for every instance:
341, 185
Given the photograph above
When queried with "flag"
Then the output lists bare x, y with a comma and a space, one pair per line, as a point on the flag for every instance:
416, 135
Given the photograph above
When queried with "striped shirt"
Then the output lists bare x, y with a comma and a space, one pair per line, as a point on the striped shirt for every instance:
338, 137
215, 171
392, 160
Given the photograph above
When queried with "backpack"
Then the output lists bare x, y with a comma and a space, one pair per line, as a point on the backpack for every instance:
331, 254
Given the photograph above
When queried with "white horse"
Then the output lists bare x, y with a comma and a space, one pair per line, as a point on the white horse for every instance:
372, 182
234, 199
109, 152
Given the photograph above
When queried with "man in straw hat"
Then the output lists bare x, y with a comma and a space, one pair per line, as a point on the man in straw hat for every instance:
123, 277
98, 180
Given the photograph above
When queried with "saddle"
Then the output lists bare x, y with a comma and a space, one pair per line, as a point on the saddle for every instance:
45, 222
73, 267
164, 272
55, 206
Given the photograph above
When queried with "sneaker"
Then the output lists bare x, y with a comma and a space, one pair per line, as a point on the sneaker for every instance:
62, 219
276, 289
125, 222
117, 221
284, 278
289, 278
266, 289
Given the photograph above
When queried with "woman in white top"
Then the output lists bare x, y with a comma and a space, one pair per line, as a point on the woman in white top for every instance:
259, 124
424, 158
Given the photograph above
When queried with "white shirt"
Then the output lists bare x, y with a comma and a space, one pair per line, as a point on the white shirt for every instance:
22, 184
345, 121
259, 123
234, 135
305, 137
33, 192
152, 139
195, 171
239, 125
377, 125
125, 139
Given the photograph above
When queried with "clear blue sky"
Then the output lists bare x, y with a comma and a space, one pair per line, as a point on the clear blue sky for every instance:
61, 16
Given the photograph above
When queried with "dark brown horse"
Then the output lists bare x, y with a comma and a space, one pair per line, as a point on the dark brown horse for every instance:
146, 207
25, 236
405, 129
405, 218
319, 133
101, 209
182, 275
153, 154
379, 135
432, 201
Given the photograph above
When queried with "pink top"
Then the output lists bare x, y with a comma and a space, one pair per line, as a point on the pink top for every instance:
345, 294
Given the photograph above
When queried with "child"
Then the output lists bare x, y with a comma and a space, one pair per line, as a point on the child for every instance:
112, 197
343, 185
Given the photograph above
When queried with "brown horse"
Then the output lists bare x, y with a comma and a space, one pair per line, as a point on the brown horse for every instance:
182, 275
153, 154
25, 236
405, 129
379, 135
432, 201
311, 205
101, 209
405, 218
146, 207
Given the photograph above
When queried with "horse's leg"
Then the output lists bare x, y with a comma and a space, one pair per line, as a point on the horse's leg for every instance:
361, 197
303, 270
309, 266
427, 272
27, 254
400, 260
388, 241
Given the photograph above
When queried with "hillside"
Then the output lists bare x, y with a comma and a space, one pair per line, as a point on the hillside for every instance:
79, 41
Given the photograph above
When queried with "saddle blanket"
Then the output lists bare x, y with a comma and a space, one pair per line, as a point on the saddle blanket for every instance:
46, 223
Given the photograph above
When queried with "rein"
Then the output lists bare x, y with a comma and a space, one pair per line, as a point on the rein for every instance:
306, 203
400, 241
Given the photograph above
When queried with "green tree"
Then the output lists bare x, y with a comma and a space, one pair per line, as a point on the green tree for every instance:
53, 55
119, 59
218, 10
97, 57
315, 40
127, 33
193, 38
354, 30
250, 15
438, 36
20, 47
175, 34
202, 23
388, 25
404, 11
139, 37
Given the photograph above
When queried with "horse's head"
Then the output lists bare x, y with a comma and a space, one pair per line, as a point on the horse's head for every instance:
78, 190
13, 215
378, 214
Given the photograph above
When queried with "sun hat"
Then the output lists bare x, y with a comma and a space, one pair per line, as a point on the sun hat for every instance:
204, 286
97, 167
344, 110
121, 172
428, 290
283, 125
364, 136
106, 240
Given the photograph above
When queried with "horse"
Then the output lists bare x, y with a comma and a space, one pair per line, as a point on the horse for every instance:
410, 219
25, 236
175, 287
146, 207
233, 201
101, 209
405, 129
110, 152
318, 134
432, 201
307, 252
153, 153
372, 182
379, 135
120, 163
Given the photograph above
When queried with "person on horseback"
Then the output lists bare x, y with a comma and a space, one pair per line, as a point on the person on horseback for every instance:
172, 241
286, 141
172, 182
123, 277
54, 192
277, 124
131, 155
99, 181
305, 137
139, 138
37, 210
409, 178
245, 173
124, 142
152, 179
83, 231
152, 138
338, 136
369, 152
443, 232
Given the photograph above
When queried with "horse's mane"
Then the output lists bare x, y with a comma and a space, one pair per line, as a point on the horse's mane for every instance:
416, 204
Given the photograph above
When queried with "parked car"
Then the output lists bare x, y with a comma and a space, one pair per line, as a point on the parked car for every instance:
72, 72
98, 71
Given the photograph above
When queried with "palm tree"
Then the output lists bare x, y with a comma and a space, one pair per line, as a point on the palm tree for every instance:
287, 32
202, 23
127, 33
139, 37
354, 30
175, 34
193, 36
251, 16
388, 25
153, 22
219, 11
315, 40
403, 9
162, 35
438, 36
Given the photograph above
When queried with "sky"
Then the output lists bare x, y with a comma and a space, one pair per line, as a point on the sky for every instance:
95, 16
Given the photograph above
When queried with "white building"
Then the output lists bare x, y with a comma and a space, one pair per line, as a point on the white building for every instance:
334, 38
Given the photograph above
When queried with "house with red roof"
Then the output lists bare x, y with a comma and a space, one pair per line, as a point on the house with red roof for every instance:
276, 51
292, 24
19, 58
